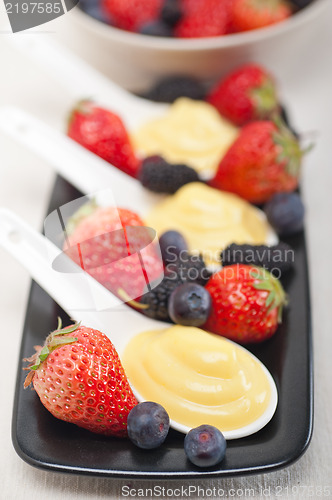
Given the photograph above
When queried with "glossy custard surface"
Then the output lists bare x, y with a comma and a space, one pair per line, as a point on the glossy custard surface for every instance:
209, 220
199, 377
191, 132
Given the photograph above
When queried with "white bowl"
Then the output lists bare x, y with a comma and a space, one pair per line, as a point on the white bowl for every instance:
136, 61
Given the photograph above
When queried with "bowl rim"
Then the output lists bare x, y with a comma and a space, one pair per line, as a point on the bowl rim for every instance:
138, 40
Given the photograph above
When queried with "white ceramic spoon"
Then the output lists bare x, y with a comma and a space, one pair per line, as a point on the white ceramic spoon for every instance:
83, 169
81, 81
78, 293
86, 171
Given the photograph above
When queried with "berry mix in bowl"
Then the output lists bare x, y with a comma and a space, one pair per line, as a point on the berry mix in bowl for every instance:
138, 42
222, 285
191, 18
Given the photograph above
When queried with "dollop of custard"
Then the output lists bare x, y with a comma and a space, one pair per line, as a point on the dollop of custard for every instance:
199, 377
209, 219
191, 132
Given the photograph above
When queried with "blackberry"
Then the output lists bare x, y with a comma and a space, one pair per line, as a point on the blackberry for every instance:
186, 268
171, 88
161, 177
157, 299
190, 268
277, 259
300, 4
171, 12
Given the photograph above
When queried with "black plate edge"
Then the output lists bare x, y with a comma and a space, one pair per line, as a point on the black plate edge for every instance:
171, 475
199, 474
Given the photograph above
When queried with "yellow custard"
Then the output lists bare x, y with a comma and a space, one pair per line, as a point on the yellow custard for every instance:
199, 377
209, 219
191, 132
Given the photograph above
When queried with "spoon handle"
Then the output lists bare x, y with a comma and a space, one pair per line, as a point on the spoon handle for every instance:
76, 76
86, 171
76, 292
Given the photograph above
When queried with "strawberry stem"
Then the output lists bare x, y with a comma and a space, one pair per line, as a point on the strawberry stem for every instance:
277, 297
265, 98
290, 153
52, 342
84, 211
136, 305
83, 106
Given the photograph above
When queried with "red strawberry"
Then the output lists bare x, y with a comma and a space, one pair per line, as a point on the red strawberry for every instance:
203, 18
253, 14
106, 242
79, 378
131, 15
103, 133
247, 303
265, 159
247, 94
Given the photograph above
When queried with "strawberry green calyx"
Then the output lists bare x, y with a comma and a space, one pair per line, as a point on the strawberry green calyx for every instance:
52, 342
80, 214
133, 303
277, 297
290, 152
83, 107
265, 99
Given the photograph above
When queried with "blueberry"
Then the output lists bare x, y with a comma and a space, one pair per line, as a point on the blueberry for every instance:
94, 9
172, 243
205, 446
189, 305
148, 425
157, 298
285, 213
171, 12
156, 28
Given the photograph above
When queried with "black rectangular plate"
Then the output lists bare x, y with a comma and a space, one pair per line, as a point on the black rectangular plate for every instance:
48, 443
